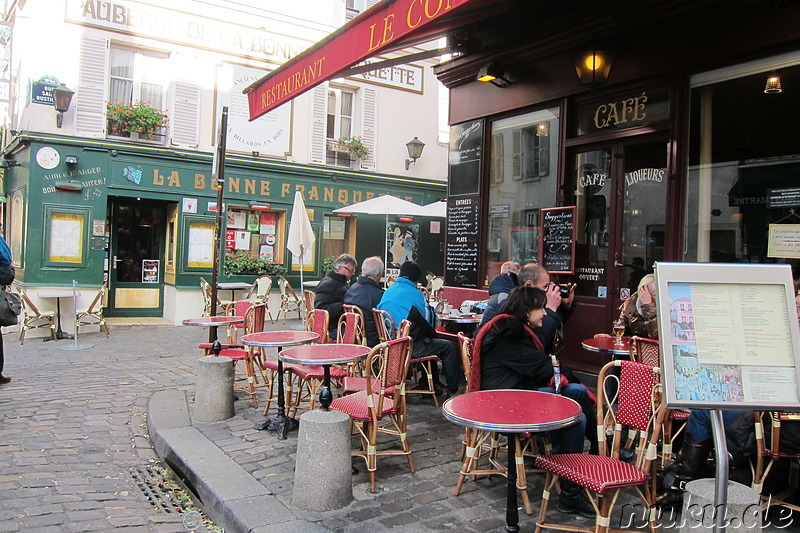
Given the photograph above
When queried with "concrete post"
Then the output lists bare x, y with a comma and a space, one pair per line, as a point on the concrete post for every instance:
323, 480
742, 512
213, 400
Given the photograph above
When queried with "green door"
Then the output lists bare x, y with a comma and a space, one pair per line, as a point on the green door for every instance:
136, 277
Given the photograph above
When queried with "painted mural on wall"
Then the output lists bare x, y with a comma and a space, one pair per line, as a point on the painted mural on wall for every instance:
401, 243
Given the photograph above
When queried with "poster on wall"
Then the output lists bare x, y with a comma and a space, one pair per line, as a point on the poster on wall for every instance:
729, 336
200, 253
401, 244
66, 238
150, 270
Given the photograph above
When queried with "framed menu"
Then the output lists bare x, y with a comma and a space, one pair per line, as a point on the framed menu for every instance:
464, 169
557, 246
461, 260
729, 336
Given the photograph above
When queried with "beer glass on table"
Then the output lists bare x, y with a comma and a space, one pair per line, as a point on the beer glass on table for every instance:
618, 328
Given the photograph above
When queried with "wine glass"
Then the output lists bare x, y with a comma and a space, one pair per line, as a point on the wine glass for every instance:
618, 328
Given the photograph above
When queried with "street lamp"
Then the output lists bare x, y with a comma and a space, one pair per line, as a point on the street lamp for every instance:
63, 98
414, 147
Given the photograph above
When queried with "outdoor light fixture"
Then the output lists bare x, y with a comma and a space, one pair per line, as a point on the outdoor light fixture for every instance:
773, 85
405, 219
495, 74
255, 153
71, 159
593, 66
8, 163
69, 186
255, 204
414, 147
63, 98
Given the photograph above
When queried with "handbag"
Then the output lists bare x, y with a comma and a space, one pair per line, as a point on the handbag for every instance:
10, 308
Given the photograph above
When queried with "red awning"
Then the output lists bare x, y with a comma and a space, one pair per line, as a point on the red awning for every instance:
384, 27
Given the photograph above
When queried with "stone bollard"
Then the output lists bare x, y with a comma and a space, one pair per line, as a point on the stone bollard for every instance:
742, 512
323, 480
213, 400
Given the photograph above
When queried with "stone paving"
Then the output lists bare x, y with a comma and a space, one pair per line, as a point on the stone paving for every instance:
74, 438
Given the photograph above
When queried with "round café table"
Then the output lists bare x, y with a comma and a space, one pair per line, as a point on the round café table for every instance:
512, 411
470, 321
279, 339
606, 345
214, 322
325, 355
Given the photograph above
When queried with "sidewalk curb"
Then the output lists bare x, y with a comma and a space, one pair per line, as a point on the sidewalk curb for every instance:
230, 496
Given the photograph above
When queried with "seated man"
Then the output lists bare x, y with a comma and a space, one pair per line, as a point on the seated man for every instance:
366, 293
404, 300
331, 290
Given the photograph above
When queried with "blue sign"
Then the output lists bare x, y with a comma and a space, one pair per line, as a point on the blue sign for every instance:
42, 90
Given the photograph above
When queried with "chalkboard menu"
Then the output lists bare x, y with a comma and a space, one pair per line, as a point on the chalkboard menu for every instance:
558, 240
464, 169
461, 259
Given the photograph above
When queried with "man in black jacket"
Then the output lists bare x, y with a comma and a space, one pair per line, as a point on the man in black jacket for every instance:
366, 293
331, 290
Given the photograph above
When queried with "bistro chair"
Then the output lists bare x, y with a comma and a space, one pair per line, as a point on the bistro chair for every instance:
308, 299
373, 412
93, 315
384, 324
32, 318
254, 317
349, 308
289, 300
636, 404
354, 383
435, 288
237, 308
205, 288
259, 292
350, 329
770, 449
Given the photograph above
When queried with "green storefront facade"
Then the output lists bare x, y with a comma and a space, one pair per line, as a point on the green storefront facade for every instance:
142, 219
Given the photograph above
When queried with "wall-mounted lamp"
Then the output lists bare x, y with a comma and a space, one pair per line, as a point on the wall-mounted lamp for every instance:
69, 186
255, 153
495, 74
405, 219
63, 98
343, 215
71, 159
773, 85
414, 147
542, 129
255, 204
8, 163
593, 66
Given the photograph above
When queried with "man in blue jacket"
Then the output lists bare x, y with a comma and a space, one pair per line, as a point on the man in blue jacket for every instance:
404, 300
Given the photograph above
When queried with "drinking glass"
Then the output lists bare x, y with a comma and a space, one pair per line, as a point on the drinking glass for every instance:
618, 328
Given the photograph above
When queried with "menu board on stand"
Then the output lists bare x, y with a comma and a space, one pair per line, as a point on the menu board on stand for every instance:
557, 246
463, 204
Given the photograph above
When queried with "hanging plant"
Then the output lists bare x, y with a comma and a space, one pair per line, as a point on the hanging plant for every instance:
356, 146
135, 117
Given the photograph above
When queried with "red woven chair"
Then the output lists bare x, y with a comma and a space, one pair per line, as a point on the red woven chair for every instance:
384, 324
254, 318
603, 476
420, 367
768, 424
238, 308
350, 329
351, 383
373, 413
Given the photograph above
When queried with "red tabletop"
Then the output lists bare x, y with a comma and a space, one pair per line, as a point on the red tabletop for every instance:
606, 345
512, 410
269, 339
213, 321
324, 354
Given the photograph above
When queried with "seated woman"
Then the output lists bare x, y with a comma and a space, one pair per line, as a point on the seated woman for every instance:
513, 357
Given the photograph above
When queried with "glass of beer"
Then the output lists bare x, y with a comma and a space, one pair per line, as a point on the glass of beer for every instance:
618, 328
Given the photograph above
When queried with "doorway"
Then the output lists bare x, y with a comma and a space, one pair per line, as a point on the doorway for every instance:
136, 276
621, 198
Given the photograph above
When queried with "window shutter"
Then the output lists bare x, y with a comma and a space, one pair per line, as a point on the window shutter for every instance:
370, 3
369, 118
316, 148
184, 115
90, 98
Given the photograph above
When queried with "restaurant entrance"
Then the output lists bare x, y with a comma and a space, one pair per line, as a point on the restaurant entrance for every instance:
621, 196
136, 270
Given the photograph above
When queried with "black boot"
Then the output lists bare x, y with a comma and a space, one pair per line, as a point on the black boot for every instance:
573, 499
685, 467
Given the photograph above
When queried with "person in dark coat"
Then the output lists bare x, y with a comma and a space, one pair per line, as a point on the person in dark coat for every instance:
366, 293
329, 293
6, 278
512, 356
499, 288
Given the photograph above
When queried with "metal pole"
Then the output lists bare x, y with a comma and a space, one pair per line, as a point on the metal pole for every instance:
721, 479
218, 178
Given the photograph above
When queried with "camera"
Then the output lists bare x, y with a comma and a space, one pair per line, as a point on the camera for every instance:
563, 289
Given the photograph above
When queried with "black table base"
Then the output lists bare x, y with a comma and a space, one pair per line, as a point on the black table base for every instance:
512, 513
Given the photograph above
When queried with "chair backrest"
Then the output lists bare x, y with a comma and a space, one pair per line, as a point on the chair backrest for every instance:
465, 349
238, 308
205, 289
437, 282
404, 328
348, 308
261, 287
384, 324
287, 292
318, 323
27, 305
309, 300
390, 360
96, 305
636, 404
645, 351
350, 329
254, 317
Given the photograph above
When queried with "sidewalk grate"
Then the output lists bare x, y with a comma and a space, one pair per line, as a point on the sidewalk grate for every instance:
151, 483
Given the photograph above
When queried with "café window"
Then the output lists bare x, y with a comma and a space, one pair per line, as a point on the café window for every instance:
339, 126
136, 76
522, 181
255, 231
743, 162
337, 234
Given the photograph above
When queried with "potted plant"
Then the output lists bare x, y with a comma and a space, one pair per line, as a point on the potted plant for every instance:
356, 146
243, 262
135, 117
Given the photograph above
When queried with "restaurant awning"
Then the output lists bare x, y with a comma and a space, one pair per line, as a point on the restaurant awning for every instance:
385, 27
